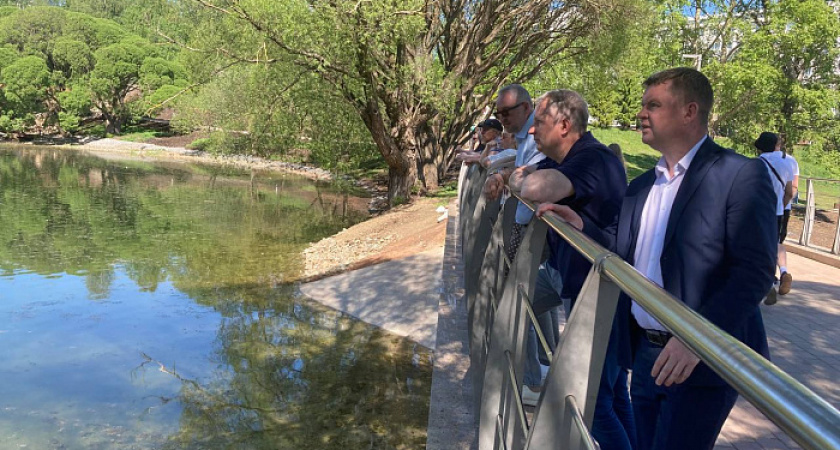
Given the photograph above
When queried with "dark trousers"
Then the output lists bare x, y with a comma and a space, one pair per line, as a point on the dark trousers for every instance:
613, 423
681, 416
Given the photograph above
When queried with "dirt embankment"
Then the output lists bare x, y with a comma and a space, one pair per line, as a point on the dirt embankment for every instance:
403, 231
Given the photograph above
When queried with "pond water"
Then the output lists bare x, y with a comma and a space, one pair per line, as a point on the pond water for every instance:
147, 305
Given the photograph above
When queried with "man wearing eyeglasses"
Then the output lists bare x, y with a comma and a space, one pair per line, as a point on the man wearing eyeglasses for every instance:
516, 112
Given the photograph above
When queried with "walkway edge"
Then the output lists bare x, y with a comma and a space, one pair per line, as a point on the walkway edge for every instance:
822, 256
452, 424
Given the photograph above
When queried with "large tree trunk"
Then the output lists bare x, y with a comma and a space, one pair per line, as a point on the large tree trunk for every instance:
433, 156
401, 156
400, 182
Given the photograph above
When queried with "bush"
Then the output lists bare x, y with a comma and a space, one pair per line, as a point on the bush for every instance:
202, 144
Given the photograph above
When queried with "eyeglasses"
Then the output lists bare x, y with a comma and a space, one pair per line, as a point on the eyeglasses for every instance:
504, 112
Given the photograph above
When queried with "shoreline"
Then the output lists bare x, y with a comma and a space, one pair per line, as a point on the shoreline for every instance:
142, 150
109, 148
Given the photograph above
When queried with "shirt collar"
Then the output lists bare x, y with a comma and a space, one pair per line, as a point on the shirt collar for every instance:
583, 141
682, 165
523, 132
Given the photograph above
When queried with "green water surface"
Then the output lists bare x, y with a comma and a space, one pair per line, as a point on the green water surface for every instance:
148, 305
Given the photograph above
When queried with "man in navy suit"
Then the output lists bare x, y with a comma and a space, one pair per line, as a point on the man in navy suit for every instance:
701, 224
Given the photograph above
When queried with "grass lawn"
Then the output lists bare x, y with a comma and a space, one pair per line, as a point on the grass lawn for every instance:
639, 157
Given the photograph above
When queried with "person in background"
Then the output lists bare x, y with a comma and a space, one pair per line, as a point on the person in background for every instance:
617, 150
794, 171
489, 138
516, 112
781, 177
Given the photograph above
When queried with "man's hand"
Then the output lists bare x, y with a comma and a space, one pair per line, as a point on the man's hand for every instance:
563, 212
493, 186
675, 364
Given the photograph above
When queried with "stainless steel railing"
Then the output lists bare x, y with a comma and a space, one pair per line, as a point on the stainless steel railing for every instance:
499, 326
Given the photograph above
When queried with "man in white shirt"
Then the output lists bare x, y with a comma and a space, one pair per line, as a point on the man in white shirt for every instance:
701, 225
781, 176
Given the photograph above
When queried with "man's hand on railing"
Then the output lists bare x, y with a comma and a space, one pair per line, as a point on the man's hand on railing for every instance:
562, 212
494, 186
675, 363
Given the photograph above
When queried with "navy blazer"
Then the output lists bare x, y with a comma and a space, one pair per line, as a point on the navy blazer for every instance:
719, 255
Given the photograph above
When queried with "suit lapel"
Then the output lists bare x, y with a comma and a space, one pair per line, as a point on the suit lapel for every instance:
631, 216
706, 156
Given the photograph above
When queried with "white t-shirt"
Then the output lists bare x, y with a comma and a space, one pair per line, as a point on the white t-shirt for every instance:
785, 173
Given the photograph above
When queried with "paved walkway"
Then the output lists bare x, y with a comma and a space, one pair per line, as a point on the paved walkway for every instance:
804, 331
400, 296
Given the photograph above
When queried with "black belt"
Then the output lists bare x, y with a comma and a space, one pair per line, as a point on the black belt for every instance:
657, 337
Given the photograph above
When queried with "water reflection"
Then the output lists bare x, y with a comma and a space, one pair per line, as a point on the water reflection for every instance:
147, 306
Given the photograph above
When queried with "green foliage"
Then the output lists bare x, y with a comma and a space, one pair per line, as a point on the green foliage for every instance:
202, 144
26, 83
782, 77
141, 135
156, 72
8, 55
83, 55
72, 57
9, 122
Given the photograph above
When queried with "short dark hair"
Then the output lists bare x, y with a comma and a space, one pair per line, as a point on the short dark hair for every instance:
568, 103
688, 83
766, 142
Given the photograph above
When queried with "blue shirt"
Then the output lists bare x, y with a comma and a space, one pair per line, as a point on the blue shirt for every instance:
526, 155
599, 180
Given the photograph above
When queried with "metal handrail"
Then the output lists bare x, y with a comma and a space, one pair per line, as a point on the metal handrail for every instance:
530, 309
577, 418
514, 386
804, 416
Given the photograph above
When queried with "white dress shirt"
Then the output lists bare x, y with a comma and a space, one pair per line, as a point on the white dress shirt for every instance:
652, 228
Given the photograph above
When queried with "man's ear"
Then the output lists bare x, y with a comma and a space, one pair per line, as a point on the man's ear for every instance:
692, 110
566, 125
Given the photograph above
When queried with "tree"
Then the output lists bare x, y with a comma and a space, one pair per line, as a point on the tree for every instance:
117, 72
782, 77
417, 73
803, 35
26, 83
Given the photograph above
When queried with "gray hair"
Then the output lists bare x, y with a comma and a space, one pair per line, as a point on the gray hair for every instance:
569, 104
520, 92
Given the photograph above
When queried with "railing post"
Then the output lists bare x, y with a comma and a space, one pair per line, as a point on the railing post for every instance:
475, 177
808, 222
836, 247
576, 368
509, 333
476, 236
480, 306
